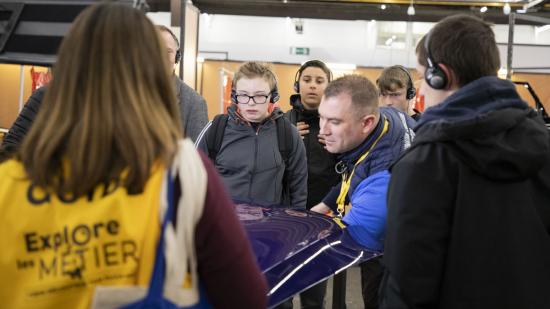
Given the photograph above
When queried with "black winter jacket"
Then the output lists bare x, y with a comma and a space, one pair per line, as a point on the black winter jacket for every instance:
321, 175
469, 206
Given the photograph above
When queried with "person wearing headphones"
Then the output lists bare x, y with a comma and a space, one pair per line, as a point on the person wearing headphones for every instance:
309, 84
245, 145
397, 90
192, 107
468, 222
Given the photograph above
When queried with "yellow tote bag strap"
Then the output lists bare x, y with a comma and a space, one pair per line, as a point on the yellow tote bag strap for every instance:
346, 180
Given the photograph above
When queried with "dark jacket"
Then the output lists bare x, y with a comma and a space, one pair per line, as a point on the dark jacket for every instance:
22, 124
193, 109
366, 220
321, 175
469, 206
251, 164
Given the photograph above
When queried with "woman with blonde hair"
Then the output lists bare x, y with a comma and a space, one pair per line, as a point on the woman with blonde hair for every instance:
88, 200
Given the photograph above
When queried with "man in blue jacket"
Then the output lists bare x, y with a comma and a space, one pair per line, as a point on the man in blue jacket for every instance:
369, 139
469, 202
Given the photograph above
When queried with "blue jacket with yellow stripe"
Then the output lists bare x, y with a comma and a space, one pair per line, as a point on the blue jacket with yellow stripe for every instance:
366, 220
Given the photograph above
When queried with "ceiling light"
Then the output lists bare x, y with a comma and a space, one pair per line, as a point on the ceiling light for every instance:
410, 10
383, 7
506, 9
483, 9
521, 11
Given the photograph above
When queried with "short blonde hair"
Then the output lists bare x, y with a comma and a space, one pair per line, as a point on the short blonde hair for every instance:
254, 69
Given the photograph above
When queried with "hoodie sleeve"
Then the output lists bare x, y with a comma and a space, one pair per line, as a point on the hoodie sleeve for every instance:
297, 172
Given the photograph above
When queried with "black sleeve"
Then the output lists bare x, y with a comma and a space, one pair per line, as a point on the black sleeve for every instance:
22, 124
332, 196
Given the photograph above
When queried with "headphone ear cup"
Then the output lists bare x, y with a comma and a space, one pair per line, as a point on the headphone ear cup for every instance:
296, 87
411, 93
178, 56
274, 95
233, 96
436, 78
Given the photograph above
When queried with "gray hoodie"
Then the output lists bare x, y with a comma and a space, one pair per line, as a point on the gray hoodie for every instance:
251, 165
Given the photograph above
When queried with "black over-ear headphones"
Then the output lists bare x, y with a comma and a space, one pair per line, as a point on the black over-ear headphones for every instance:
411, 91
434, 75
274, 94
311, 63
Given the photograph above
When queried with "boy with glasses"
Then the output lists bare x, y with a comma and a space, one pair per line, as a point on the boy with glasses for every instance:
246, 144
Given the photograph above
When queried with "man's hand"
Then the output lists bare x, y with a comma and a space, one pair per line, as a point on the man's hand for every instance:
303, 128
321, 208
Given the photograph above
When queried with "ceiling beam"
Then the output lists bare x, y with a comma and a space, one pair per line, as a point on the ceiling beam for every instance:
349, 10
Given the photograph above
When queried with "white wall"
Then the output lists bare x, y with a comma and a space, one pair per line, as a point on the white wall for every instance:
356, 42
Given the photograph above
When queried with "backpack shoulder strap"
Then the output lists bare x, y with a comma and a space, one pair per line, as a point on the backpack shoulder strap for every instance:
292, 116
215, 135
284, 139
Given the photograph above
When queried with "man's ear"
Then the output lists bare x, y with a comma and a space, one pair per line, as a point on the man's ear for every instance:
452, 80
367, 123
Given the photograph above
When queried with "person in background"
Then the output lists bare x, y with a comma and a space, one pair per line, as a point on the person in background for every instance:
368, 140
22, 124
192, 107
469, 202
397, 90
81, 203
309, 84
248, 154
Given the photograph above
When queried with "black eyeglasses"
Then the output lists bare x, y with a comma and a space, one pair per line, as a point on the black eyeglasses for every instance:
258, 98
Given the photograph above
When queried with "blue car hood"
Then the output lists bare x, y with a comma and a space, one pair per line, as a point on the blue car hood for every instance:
296, 249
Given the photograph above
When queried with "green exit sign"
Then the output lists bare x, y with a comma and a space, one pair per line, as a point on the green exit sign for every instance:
299, 51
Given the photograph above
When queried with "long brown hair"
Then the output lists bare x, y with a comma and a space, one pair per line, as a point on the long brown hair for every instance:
110, 108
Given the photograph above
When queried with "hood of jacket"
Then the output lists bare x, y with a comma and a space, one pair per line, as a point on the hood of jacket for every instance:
489, 127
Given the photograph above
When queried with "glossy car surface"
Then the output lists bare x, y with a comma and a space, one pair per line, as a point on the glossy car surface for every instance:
296, 248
